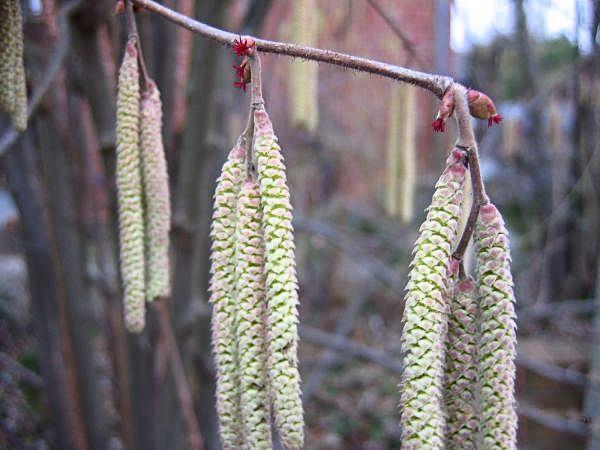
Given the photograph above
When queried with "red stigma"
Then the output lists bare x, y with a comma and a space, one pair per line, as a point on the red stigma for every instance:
241, 47
497, 118
439, 125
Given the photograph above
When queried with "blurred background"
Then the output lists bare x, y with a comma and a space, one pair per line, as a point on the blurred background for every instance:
362, 160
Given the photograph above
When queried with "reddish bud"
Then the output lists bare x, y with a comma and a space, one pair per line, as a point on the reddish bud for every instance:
243, 46
482, 107
119, 7
445, 110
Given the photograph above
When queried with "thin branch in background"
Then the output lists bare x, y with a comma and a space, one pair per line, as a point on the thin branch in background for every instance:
184, 393
437, 84
406, 42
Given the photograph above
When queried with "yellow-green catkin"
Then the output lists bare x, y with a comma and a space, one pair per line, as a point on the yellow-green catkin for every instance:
281, 285
250, 289
461, 368
401, 154
129, 191
497, 334
156, 194
426, 315
224, 299
303, 86
13, 88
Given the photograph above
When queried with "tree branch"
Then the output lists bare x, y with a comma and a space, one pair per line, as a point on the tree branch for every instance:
437, 84
133, 31
466, 141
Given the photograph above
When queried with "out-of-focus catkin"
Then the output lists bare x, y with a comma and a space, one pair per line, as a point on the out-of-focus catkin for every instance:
401, 159
426, 314
497, 333
461, 370
303, 86
129, 191
250, 289
281, 285
13, 88
223, 298
156, 194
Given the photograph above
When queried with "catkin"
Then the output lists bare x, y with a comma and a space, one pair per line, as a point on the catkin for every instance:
129, 190
223, 299
426, 314
461, 369
497, 333
13, 88
250, 289
303, 85
156, 194
281, 285
401, 157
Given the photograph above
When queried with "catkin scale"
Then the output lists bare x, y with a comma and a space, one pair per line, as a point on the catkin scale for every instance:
250, 290
13, 88
223, 299
461, 369
281, 285
129, 191
426, 314
497, 333
156, 194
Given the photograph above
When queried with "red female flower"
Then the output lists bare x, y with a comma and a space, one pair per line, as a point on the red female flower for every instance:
242, 74
243, 46
446, 109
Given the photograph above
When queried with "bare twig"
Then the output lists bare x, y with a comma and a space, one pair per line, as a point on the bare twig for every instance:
133, 31
466, 141
184, 393
560, 424
350, 348
552, 372
437, 84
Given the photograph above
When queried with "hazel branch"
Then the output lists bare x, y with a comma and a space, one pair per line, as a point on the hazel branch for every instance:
466, 141
132, 26
437, 84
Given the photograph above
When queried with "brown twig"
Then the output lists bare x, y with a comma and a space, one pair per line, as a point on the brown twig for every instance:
437, 84
133, 31
466, 141
184, 393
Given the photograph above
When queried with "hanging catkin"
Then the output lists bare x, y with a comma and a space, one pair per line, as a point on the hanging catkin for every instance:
129, 190
497, 333
223, 299
250, 289
461, 369
426, 314
303, 77
281, 285
401, 158
13, 89
156, 193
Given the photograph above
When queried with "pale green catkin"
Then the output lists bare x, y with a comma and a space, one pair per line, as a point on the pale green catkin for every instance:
426, 315
13, 88
281, 285
250, 288
303, 76
129, 191
224, 300
461, 368
156, 194
497, 334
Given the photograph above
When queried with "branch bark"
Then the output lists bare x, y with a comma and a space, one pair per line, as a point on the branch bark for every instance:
437, 84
